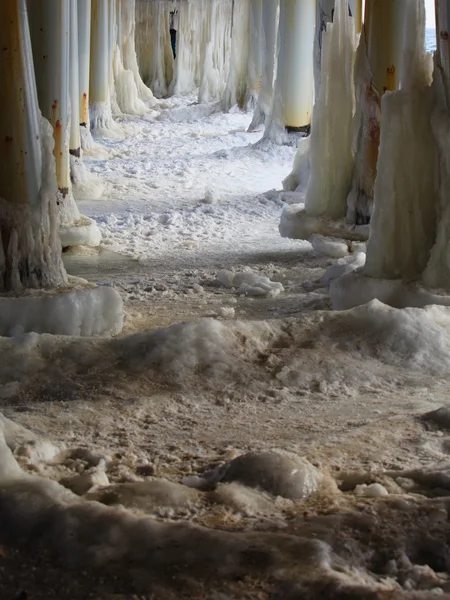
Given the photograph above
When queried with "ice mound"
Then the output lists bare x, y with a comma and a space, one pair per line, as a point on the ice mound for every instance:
332, 247
278, 472
40, 513
319, 352
84, 232
249, 283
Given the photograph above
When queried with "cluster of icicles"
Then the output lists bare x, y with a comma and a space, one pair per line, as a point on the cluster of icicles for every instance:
214, 48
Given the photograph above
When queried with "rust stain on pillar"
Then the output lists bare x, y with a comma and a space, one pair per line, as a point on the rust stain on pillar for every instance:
58, 151
391, 82
84, 109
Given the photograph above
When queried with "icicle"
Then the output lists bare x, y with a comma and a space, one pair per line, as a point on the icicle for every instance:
270, 21
331, 144
236, 88
128, 49
255, 55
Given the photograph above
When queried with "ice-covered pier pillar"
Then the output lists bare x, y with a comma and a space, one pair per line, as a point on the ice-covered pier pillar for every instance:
377, 71
84, 54
30, 253
255, 54
49, 25
75, 138
269, 35
100, 66
295, 62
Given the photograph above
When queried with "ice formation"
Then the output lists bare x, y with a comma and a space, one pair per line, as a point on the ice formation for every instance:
33, 233
296, 223
404, 205
366, 124
126, 37
249, 283
328, 246
331, 144
255, 59
270, 22
203, 38
236, 88
85, 311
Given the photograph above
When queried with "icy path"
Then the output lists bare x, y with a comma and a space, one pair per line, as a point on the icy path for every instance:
189, 180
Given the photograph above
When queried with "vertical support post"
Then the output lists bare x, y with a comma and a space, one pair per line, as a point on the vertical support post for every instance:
75, 140
269, 34
49, 24
100, 65
295, 62
84, 42
377, 71
383, 24
356, 7
269, 22
30, 254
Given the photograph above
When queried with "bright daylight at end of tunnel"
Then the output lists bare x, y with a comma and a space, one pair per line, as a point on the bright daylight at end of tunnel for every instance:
224, 299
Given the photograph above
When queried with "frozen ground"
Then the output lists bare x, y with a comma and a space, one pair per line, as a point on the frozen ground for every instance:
278, 451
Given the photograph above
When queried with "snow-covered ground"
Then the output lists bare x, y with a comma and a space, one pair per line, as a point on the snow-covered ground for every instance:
191, 178
276, 450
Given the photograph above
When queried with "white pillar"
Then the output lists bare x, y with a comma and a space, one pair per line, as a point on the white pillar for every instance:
30, 253
84, 42
49, 23
269, 33
384, 24
100, 66
75, 140
295, 62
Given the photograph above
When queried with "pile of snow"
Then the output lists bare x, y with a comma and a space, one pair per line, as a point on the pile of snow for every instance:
249, 283
322, 351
